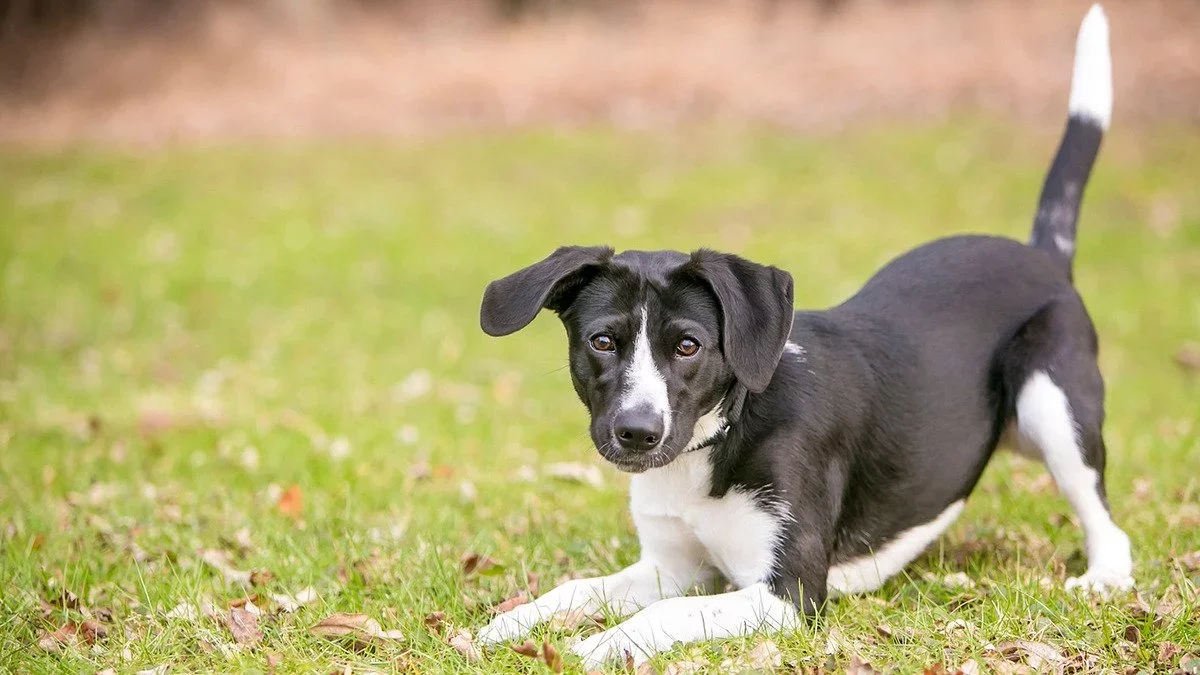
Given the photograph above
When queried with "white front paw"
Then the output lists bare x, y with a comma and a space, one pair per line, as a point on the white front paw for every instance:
626, 640
509, 626
1101, 582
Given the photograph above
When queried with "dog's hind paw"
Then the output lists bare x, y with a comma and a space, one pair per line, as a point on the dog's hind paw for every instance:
1103, 583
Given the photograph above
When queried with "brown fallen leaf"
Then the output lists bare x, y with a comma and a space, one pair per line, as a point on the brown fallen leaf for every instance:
859, 667
443, 471
526, 648
474, 563
360, 629
764, 656
260, 577
66, 600
968, 668
291, 502
551, 656
290, 603
1133, 634
515, 601
1189, 561
686, 667
243, 624
1034, 654
435, 621
1167, 651
936, 669
91, 631
273, 661
464, 644
65, 636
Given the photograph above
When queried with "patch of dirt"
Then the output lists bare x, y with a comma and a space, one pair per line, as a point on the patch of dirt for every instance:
235, 72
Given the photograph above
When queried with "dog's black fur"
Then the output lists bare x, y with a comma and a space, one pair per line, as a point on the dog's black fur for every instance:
900, 396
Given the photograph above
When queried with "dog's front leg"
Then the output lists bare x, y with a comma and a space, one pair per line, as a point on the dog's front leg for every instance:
636, 586
690, 619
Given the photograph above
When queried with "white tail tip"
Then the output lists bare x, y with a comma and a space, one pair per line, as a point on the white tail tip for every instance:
1091, 86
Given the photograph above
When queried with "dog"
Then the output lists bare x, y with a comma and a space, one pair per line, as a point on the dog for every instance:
804, 455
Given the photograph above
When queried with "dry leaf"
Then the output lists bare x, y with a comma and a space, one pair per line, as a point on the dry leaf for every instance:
435, 621
551, 656
66, 600
1133, 634
936, 669
474, 563
467, 491
859, 667
576, 472
291, 603
260, 577
1034, 654
526, 648
66, 635
273, 661
685, 667
90, 631
1167, 652
1190, 561
464, 644
243, 624
443, 471
291, 502
219, 560
515, 601
156, 670
360, 628
968, 668
764, 656
958, 580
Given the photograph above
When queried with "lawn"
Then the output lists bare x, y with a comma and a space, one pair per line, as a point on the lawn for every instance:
243, 372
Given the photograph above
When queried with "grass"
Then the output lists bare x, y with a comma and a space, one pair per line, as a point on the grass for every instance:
186, 334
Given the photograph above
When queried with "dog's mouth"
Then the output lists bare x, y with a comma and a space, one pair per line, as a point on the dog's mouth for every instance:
637, 462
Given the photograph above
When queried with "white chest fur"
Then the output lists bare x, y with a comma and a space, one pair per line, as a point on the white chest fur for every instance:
676, 517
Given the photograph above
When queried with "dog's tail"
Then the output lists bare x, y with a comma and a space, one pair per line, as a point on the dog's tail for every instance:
1090, 114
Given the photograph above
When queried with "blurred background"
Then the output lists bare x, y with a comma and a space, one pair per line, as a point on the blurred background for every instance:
153, 71
243, 245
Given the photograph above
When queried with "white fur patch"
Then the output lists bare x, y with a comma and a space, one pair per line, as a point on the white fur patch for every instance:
795, 350
869, 572
690, 619
1091, 85
1044, 421
709, 425
644, 383
733, 533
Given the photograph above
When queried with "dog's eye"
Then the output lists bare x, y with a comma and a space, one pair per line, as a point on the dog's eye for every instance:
687, 347
603, 343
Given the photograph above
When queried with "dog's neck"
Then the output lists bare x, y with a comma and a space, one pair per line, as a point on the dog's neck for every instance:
713, 426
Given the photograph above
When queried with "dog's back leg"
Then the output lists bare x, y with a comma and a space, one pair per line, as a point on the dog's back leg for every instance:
1056, 399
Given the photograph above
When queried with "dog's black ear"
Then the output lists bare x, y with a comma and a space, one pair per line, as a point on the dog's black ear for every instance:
509, 304
756, 309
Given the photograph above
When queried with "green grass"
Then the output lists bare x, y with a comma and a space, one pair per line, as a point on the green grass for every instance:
169, 317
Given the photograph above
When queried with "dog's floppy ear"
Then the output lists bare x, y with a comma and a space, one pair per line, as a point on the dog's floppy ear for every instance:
509, 304
756, 310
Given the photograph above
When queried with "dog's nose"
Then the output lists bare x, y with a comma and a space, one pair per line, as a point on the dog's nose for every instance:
639, 430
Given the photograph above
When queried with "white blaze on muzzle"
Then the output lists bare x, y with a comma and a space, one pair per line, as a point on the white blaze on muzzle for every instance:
644, 384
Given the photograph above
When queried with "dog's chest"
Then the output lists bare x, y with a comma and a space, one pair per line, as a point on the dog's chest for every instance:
674, 512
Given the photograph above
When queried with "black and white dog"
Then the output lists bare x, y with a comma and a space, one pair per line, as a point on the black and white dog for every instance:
799, 455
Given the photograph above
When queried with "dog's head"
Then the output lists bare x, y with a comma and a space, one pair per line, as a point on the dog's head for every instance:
657, 339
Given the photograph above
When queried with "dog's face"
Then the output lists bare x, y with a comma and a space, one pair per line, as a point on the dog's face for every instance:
656, 340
